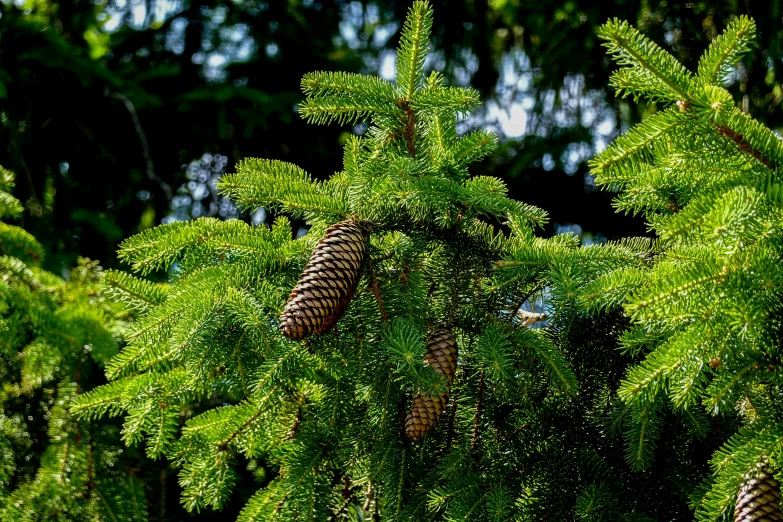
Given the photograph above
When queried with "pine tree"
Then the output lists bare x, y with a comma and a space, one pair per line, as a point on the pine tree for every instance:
210, 381
55, 336
531, 421
705, 306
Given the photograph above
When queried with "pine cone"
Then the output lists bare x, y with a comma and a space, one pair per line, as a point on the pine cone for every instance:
327, 284
442, 356
759, 498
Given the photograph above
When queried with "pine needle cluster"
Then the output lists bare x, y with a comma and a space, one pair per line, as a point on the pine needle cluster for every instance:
55, 336
706, 309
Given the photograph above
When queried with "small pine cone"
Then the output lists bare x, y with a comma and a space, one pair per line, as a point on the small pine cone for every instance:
759, 498
442, 356
327, 284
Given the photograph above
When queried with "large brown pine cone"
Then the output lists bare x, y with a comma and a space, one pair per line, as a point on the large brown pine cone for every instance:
327, 284
759, 498
442, 356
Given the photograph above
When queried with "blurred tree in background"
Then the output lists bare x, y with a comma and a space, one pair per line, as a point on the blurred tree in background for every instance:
104, 104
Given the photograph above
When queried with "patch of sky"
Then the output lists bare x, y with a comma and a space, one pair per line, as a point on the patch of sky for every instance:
272, 49
587, 238
388, 65
199, 197
221, 46
174, 40
548, 163
574, 155
139, 14
259, 216
541, 302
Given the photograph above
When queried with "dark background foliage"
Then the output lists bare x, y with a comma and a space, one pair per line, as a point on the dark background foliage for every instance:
117, 115
102, 104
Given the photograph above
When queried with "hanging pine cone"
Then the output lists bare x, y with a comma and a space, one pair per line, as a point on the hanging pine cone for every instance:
759, 498
442, 356
327, 284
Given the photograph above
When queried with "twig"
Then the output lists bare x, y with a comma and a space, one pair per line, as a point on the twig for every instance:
516, 431
295, 427
528, 318
461, 212
431, 290
744, 146
517, 307
410, 126
369, 495
143, 139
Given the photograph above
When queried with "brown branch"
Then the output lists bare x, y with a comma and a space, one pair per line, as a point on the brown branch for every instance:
461, 213
516, 431
370, 496
295, 427
431, 290
744, 146
143, 139
518, 307
409, 132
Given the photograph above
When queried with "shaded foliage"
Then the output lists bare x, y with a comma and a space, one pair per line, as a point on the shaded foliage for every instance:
55, 337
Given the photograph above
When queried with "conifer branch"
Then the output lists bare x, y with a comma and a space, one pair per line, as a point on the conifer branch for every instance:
752, 138
212, 333
632, 48
637, 141
726, 50
450, 435
413, 49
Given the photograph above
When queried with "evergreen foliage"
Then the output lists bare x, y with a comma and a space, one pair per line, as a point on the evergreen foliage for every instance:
208, 381
55, 336
705, 307
542, 419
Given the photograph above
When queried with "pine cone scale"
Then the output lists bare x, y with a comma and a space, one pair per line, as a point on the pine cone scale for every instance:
759, 498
